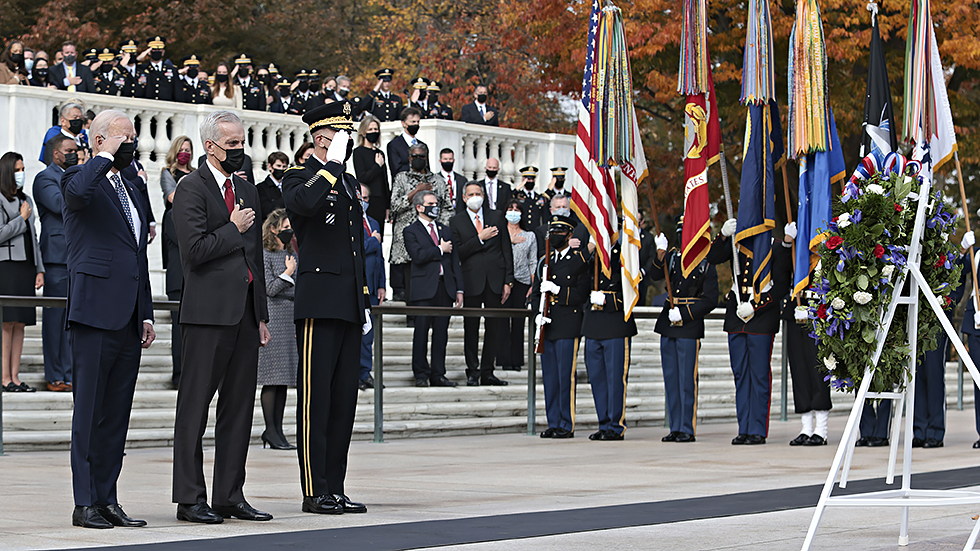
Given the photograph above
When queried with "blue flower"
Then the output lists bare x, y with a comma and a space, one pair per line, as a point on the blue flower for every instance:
856, 217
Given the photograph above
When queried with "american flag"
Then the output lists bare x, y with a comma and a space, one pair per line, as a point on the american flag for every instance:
593, 189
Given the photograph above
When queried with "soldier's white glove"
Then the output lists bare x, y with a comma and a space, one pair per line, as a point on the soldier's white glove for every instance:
745, 311
661, 241
728, 228
337, 150
976, 320
790, 230
366, 328
801, 313
541, 320
549, 287
674, 315
598, 298
968, 240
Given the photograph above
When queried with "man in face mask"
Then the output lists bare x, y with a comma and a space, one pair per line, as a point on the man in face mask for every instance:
497, 193
160, 77
284, 98
455, 182
270, 189
562, 207
131, 83
437, 109
70, 125
71, 75
533, 204
253, 92
398, 159
479, 112
383, 104
326, 213
194, 90
557, 185
106, 76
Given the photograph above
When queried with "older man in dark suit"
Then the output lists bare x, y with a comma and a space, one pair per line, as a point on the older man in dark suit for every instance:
222, 316
110, 312
71, 75
483, 243
479, 112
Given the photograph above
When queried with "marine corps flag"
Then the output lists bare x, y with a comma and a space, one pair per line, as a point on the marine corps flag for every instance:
702, 141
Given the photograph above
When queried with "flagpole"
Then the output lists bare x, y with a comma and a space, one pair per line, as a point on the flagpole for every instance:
731, 215
966, 215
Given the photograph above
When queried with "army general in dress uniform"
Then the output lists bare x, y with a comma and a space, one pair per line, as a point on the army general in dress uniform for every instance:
194, 89
332, 306
132, 82
382, 103
161, 79
535, 207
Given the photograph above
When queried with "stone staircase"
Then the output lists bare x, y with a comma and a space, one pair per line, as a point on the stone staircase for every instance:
42, 420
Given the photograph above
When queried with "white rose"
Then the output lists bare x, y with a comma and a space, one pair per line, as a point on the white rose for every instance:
876, 189
862, 297
912, 196
830, 362
888, 270
843, 223
837, 303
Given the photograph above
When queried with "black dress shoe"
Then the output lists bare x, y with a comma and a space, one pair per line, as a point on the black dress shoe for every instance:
917, 442
25, 388
365, 384
613, 435
349, 506
472, 381
755, 439
862, 442
491, 380
241, 511
672, 437
740, 439
976, 445
322, 505
422, 382
816, 440
932, 443
684, 437
548, 433
598, 435
198, 512
800, 440
88, 517
117, 517
442, 381
877, 442
564, 433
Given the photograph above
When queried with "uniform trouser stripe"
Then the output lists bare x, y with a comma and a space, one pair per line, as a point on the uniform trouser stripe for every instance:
304, 448
697, 359
573, 381
626, 371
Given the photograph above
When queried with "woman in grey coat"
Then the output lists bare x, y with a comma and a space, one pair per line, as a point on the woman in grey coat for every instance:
21, 268
278, 360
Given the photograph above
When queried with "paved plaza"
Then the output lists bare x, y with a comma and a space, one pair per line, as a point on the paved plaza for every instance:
514, 492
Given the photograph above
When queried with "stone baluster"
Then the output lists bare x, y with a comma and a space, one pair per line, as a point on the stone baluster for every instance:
161, 143
259, 154
531, 158
146, 145
508, 170
466, 160
481, 158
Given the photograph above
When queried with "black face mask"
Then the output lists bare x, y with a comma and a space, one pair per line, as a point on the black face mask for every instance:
482, 98
234, 158
124, 155
277, 173
412, 129
70, 59
71, 159
193, 72
75, 126
558, 240
373, 137
221, 77
433, 98
422, 95
418, 164
17, 58
243, 72
559, 183
156, 55
491, 174
284, 91
42, 74
432, 211
342, 92
447, 166
107, 68
529, 185
285, 237
304, 85
265, 79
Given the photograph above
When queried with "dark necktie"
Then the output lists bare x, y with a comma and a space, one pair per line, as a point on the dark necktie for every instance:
230, 203
435, 239
124, 199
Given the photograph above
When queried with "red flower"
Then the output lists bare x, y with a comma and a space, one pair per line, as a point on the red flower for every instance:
822, 312
948, 301
834, 242
898, 208
940, 262
879, 251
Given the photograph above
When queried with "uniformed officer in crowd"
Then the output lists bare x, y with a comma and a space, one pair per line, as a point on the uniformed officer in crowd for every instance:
253, 93
90, 56
681, 328
419, 98
565, 289
301, 92
162, 80
194, 89
557, 185
751, 323
106, 76
316, 97
284, 97
437, 109
383, 104
535, 207
133, 81
648, 249
608, 338
332, 306
562, 207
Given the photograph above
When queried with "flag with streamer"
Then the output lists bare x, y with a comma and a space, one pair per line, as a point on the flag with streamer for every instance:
878, 129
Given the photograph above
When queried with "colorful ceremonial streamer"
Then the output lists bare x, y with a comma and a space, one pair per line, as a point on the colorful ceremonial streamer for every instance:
692, 75
758, 71
612, 93
809, 103
919, 104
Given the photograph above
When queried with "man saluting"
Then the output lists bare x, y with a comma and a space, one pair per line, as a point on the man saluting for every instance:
332, 306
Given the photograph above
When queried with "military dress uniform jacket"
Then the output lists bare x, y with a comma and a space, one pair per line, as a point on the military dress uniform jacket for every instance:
570, 274
200, 94
324, 209
163, 84
253, 95
389, 109
108, 84
767, 309
440, 111
695, 296
535, 209
131, 85
608, 321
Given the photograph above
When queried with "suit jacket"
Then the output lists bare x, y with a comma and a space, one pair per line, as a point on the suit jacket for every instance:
270, 197
131, 172
460, 182
426, 260
374, 262
56, 76
471, 114
108, 277
15, 231
488, 263
370, 173
398, 160
47, 194
323, 207
215, 257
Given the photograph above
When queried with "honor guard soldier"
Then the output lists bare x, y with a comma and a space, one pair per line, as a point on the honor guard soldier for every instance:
971, 322
811, 393
608, 337
534, 206
681, 326
107, 79
751, 323
382, 103
195, 90
437, 110
134, 81
253, 94
162, 80
332, 306
564, 290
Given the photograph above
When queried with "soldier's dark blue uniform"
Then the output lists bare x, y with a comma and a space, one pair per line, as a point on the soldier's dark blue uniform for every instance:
159, 76
384, 105
568, 270
437, 109
106, 77
129, 80
194, 90
253, 91
608, 338
972, 336
694, 296
535, 207
750, 343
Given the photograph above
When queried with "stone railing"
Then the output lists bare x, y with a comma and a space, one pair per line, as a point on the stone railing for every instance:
29, 112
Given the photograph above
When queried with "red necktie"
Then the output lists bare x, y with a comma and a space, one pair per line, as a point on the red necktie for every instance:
435, 239
230, 203
367, 227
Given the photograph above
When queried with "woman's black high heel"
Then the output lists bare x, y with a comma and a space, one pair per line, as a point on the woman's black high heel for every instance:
266, 442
